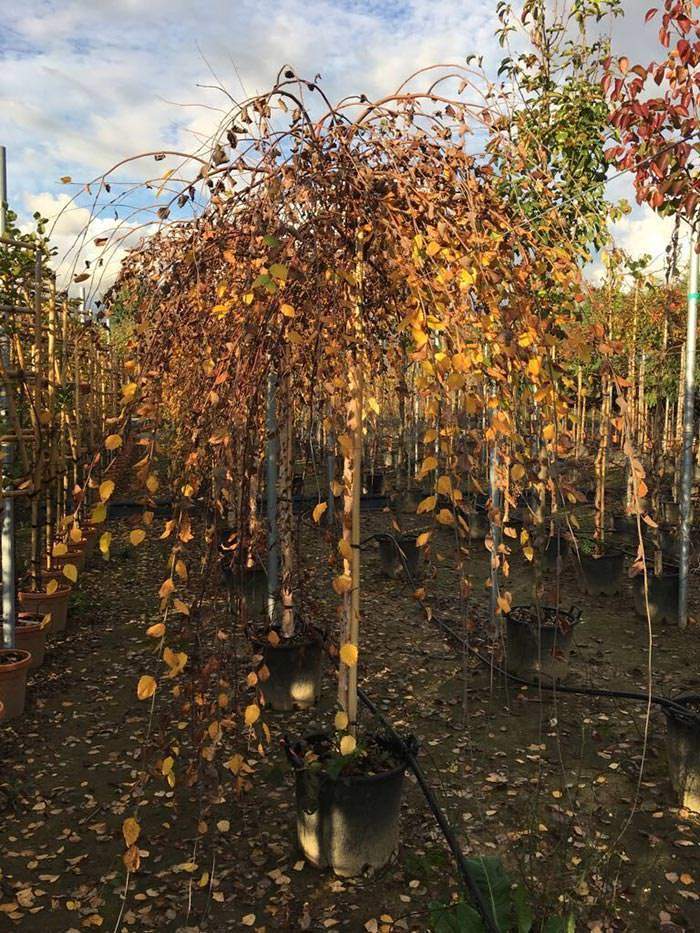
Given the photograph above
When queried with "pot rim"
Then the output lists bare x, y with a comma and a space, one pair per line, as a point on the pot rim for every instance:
36, 594
677, 716
16, 665
570, 615
347, 779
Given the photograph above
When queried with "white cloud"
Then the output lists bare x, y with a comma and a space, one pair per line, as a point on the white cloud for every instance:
89, 82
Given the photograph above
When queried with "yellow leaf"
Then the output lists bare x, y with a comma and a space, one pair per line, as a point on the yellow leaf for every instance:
319, 510
106, 489
427, 505
445, 517
132, 859
341, 720
131, 831
444, 485
548, 432
59, 549
345, 548
347, 745
52, 586
430, 463
504, 603
423, 538
166, 589
105, 541
70, 571
137, 536
348, 654
433, 248
187, 491
175, 660
99, 514
373, 405
113, 442
146, 687
181, 569
342, 583
528, 552
517, 471
534, 366
181, 607
167, 765
152, 482
252, 714
287, 310
223, 826
156, 631
76, 534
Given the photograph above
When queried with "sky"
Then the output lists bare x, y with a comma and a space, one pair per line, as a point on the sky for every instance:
86, 83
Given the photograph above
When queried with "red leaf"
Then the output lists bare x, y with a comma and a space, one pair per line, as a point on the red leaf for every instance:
650, 15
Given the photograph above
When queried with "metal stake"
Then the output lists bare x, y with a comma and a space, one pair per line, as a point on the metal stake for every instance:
7, 522
273, 544
688, 431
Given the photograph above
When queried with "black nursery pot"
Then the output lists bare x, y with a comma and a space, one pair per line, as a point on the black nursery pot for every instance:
683, 745
663, 596
295, 667
391, 558
557, 549
539, 650
250, 583
479, 525
374, 484
349, 823
602, 576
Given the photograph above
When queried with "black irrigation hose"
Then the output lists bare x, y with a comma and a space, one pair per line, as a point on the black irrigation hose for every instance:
561, 688
442, 821
447, 831
676, 708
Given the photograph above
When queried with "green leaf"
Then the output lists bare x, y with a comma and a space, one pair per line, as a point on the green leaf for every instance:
455, 918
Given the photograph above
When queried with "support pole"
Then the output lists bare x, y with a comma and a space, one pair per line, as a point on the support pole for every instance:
688, 431
7, 522
273, 545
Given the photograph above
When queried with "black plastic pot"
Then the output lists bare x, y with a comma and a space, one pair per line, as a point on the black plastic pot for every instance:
539, 651
479, 525
663, 596
374, 484
557, 549
602, 576
349, 824
295, 667
392, 559
683, 745
250, 583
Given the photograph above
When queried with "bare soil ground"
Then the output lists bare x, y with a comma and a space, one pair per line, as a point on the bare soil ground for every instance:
552, 784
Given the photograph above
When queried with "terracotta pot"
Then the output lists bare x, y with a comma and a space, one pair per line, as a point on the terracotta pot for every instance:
30, 635
55, 604
13, 681
75, 556
57, 575
92, 536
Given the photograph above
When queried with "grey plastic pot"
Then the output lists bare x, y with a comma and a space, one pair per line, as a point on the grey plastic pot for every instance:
349, 824
392, 560
602, 576
295, 673
535, 651
683, 746
663, 596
